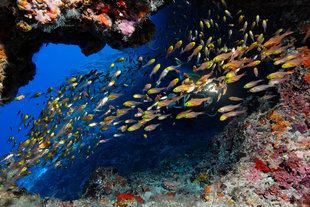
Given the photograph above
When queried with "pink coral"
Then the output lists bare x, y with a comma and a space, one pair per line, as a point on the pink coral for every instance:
253, 176
127, 27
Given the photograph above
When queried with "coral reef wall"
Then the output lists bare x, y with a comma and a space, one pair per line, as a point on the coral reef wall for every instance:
26, 24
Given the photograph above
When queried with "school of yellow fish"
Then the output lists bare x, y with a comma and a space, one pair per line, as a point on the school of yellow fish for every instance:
79, 109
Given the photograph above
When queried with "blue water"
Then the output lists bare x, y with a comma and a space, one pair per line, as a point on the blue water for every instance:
54, 63
131, 153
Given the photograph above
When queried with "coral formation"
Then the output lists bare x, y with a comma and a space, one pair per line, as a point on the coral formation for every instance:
88, 23
260, 160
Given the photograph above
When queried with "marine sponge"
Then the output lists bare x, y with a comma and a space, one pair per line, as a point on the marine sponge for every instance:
127, 27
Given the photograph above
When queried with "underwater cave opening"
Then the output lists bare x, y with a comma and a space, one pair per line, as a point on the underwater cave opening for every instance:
129, 153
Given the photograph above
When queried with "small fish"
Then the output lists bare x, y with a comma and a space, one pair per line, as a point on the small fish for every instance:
257, 19
114, 96
93, 124
169, 51
233, 98
165, 103
178, 61
196, 101
131, 103
117, 73
277, 81
252, 84
162, 75
255, 71
201, 25
228, 108
111, 66
267, 97
155, 69
204, 80
264, 25
276, 39
162, 117
177, 45
151, 127
123, 128
138, 96
285, 59
241, 17
36, 95
228, 13
117, 135
235, 64
20, 97
147, 87
134, 127
235, 78
172, 83
188, 47
192, 115
130, 121
260, 88
154, 90
205, 65
252, 64
277, 75
231, 114
120, 59
245, 25
122, 111
253, 25
184, 88
292, 63
195, 52
150, 62
111, 83
222, 57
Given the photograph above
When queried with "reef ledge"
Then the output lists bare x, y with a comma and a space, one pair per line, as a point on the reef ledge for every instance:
91, 24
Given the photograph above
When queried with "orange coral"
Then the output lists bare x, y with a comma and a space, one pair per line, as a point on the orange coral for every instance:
104, 19
307, 77
306, 61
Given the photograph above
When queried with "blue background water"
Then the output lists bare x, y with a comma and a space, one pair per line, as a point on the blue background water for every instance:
55, 63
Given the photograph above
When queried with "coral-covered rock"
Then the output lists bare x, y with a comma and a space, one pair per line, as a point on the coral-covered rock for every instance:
90, 24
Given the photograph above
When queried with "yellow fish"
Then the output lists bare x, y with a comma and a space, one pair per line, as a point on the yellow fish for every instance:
205, 65
292, 63
169, 51
196, 101
178, 45
222, 57
120, 59
150, 62
277, 75
188, 47
195, 52
154, 90
172, 83
155, 69
134, 127
131, 103
252, 84
151, 127
231, 114
228, 108
260, 88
